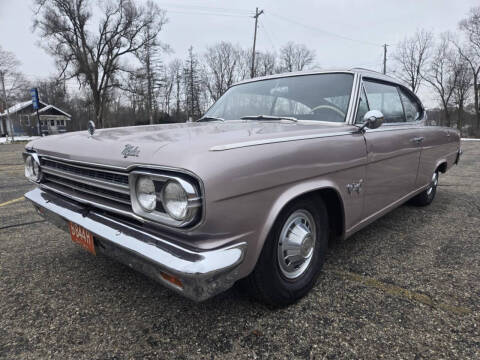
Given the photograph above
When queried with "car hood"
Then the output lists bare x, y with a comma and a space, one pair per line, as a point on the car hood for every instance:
175, 145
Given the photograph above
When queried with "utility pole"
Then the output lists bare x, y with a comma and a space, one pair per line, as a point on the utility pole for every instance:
9, 123
385, 58
257, 14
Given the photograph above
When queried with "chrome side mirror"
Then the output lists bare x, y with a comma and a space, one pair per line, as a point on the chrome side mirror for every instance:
373, 119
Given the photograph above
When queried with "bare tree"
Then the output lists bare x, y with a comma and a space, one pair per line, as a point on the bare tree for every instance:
412, 58
193, 85
295, 57
244, 68
440, 74
470, 52
221, 61
11, 81
463, 85
94, 57
175, 68
266, 63
149, 58
53, 91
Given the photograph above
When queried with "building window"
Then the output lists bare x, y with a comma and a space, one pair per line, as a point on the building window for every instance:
52, 122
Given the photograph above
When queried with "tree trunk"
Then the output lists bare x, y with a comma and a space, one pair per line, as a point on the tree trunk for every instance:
476, 88
460, 117
97, 108
447, 114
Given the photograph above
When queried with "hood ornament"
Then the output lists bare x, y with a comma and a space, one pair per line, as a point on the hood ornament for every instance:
130, 150
91, 127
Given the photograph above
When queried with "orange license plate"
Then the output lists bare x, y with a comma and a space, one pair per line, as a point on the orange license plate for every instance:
83, 237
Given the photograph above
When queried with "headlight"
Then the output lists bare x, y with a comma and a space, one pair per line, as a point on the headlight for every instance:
175, 200
165, 198
146, 196
32, 169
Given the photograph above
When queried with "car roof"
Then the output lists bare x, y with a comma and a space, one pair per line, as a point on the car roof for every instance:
356, 70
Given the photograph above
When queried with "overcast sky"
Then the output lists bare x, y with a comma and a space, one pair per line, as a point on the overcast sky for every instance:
343, 33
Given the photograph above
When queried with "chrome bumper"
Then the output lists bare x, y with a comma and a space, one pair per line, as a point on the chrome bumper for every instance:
203, 274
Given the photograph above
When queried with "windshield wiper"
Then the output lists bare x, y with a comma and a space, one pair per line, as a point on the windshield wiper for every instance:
210, 118
268, 117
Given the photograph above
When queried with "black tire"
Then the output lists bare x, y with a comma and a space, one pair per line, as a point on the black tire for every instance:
267, 283
426, 197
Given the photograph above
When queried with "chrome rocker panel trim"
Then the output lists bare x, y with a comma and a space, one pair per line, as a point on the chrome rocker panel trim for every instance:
203, 273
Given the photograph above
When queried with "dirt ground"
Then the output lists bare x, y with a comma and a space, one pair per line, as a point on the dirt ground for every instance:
407, 286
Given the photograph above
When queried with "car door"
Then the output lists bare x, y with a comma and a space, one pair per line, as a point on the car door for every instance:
429, 137
393, 149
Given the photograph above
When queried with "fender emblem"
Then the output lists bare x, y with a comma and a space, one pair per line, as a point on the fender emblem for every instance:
355, 186
130, 150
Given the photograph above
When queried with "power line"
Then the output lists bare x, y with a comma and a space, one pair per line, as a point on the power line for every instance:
262, 25
206, 8
329, 33
205, 13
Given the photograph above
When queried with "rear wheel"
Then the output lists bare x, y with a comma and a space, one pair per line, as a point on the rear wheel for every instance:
292, 256
426, 197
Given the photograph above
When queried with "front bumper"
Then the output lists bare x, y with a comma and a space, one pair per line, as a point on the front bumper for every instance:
203, 274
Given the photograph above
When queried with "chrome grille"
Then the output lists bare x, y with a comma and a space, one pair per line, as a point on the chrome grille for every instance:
86, 181
87, 172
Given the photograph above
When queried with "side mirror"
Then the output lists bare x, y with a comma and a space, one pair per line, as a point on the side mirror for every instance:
373, 119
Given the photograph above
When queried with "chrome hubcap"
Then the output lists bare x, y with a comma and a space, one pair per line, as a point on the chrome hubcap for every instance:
296, 244
433, 183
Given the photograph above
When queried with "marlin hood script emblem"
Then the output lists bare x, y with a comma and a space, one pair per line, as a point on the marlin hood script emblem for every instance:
130, 150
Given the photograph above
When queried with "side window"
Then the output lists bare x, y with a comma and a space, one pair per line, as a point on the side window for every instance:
362, 107
413, 110
385, 98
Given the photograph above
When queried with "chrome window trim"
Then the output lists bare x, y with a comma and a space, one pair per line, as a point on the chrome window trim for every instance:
293, 74
356, 93
276, 140
399, 86
395, 127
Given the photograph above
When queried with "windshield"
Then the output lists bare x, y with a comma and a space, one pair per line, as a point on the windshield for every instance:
322, 97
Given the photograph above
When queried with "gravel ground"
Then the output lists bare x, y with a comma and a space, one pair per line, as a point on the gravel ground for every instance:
406, 287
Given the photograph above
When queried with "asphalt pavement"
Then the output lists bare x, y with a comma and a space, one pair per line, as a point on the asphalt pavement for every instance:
407, 286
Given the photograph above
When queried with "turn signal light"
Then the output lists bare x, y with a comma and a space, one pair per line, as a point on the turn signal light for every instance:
172, 279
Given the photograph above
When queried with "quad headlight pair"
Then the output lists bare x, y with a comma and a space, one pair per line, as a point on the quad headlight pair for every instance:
178, 197
33, 171
173, 196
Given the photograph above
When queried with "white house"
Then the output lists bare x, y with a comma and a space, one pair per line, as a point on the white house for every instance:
22, 119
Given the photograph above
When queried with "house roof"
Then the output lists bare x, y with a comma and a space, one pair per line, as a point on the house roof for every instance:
20, 106
48, 107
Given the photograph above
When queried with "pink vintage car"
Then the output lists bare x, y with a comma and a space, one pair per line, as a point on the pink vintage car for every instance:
251, 192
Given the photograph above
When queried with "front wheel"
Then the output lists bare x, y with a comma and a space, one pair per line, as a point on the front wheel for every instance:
293, 254
426, 197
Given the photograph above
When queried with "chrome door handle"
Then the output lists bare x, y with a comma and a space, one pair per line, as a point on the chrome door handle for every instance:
418, 139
